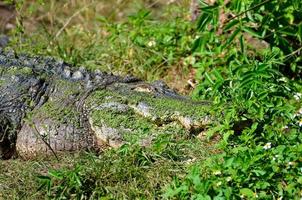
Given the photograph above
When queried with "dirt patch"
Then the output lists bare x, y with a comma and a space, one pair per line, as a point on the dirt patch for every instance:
183, 81
7, 17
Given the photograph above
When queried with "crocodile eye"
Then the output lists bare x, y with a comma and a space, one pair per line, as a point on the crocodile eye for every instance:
7, 138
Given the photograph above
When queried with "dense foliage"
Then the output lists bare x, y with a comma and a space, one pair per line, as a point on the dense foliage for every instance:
247, 57
256, 89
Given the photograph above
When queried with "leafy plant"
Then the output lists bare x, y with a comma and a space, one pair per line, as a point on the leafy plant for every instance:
257, 101
248, 62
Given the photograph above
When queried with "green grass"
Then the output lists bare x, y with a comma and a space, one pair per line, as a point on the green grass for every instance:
143, 43
261, 159
131, 172
19, 179
129, 37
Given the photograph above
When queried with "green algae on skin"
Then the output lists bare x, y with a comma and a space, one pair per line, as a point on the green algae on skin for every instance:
60, 107
18, 70
161, 104
127, 114
132, 126
57, 112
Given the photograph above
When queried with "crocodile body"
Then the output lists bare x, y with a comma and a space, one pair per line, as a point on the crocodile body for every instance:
48, 106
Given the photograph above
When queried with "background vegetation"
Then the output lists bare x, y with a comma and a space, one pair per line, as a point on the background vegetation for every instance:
244, 55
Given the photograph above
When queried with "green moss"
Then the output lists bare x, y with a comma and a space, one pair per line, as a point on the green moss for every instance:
168, 106
68, 88
161, 106
19, 71
130, 124
104, 96
133, 125
128, 120
60, 106
58, 113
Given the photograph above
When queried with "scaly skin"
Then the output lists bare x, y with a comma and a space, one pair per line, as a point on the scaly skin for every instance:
47, 106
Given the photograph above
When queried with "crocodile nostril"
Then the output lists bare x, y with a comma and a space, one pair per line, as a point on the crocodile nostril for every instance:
7, 138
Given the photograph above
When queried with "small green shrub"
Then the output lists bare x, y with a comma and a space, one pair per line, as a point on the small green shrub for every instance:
261, 158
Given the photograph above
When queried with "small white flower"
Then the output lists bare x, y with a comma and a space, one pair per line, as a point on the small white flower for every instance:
151, 43
267, 146
216, 173
275, 157
283, 79
228, 179
291, 163
208, 89
297, 96
189, 161
219, 184
300, 122
170, 1
285, 127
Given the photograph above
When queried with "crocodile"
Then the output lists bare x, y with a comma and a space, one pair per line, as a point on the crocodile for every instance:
48, 106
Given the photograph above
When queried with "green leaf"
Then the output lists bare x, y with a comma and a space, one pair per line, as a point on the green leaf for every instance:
55, 174
242, 44
259, 172
229, 162
299, 33
262, 184
247, 192
44, 178
209, 78
288, 31
218, 75
203, 21
252, 32
196, 44
262, 95
201, 197
232, 37
238, 5
229, 25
